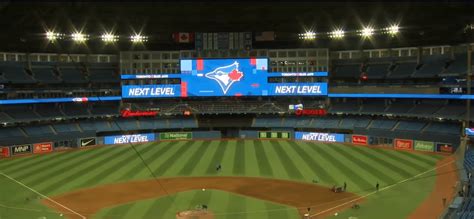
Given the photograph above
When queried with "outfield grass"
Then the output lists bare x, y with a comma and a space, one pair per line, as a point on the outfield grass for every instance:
330, 164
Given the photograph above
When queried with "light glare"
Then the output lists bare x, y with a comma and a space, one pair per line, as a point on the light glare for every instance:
338, 34
137, 38
79, 37
367, 32
108, 38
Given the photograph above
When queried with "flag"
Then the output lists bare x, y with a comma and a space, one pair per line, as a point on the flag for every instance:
265, 36
183, 37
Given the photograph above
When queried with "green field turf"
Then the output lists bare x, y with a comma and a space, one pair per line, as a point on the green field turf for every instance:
330, 164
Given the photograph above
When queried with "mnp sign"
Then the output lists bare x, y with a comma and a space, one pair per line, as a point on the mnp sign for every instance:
316, 136
21, 149
126, 139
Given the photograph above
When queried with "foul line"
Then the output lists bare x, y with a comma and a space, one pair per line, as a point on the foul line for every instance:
44, 196
382, 189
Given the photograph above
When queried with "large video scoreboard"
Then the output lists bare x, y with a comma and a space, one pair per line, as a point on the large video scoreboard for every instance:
223, 77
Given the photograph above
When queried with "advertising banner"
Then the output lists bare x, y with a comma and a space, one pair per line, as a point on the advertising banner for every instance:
444, 147
403, 144
176, 135
469, 131
284, 135
126, 139
360, 139
424, 146
21, 149
84, 142
45, 147
316, 136
4, 152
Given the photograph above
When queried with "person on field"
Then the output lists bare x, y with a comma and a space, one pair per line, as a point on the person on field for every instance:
219, 167
377, 187
345, 186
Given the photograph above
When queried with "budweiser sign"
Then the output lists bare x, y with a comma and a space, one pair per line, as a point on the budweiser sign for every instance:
359, 139
403, 144
130, 113
310, 112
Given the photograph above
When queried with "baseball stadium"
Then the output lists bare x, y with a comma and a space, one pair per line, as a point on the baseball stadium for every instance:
230, 110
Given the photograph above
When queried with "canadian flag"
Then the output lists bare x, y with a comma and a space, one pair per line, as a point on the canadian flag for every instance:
183, 37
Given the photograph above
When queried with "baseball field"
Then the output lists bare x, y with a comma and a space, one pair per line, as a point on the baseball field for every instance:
258, 180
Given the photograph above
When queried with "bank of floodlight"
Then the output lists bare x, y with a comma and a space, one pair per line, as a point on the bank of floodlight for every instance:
337, 34
109, 38
309, 35
392, 30
52, 36
138, 38
79, 37
367, 32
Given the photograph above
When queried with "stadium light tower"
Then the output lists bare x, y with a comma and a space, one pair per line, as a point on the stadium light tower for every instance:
138, 38
337, 34
109, 38
367, 32
79, 37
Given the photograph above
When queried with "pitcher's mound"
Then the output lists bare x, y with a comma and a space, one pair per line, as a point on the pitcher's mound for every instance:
195, 214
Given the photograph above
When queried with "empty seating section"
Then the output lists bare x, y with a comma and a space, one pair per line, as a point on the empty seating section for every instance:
347, 123
373, 106
5, 118
48, 111
448, 128
410, 126
403, 70
11, 132
289, 122
103, 75
45, 74
377, 71
73, 75
326, 123
431, 67
458, 66
451, 111
15, 73
43, 130
427, 108
67, 127
73, 109
347, 71
350, 106
400, 107
382, 124
362, 123
21, 112
105, 109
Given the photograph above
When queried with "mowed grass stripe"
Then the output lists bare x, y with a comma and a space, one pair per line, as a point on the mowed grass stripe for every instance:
274, 213
174, 158
52, 172
159, 208
192, 162
217, 158
236, 208
82, 170
373, 154
290, 167
116, 213
174, 169
360, 161
239, 158
117, 165
318, 170
250, 159
262, 159
401, 158
39, 168
426, 159
360, 182
151, 153
18, 164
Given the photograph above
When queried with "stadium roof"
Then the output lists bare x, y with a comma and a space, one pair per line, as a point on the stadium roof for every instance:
423, 23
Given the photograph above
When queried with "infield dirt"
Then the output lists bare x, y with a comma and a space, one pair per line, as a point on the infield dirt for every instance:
296, 194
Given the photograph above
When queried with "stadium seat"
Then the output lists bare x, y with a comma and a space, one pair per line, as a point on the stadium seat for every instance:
15, 73
45, 74
403, 70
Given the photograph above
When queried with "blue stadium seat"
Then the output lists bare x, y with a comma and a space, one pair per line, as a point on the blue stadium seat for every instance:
373, 107
446, 128
347, 71
382, 124
377, 71
103, 75
73, 75
11, 132
45, 74
414, 126
66, 128
403, 70
432, 67
15, 73
42, 130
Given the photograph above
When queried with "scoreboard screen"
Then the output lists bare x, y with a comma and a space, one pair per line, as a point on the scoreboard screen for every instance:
223, 77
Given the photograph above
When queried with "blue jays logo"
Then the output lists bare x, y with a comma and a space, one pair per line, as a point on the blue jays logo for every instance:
226, 76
